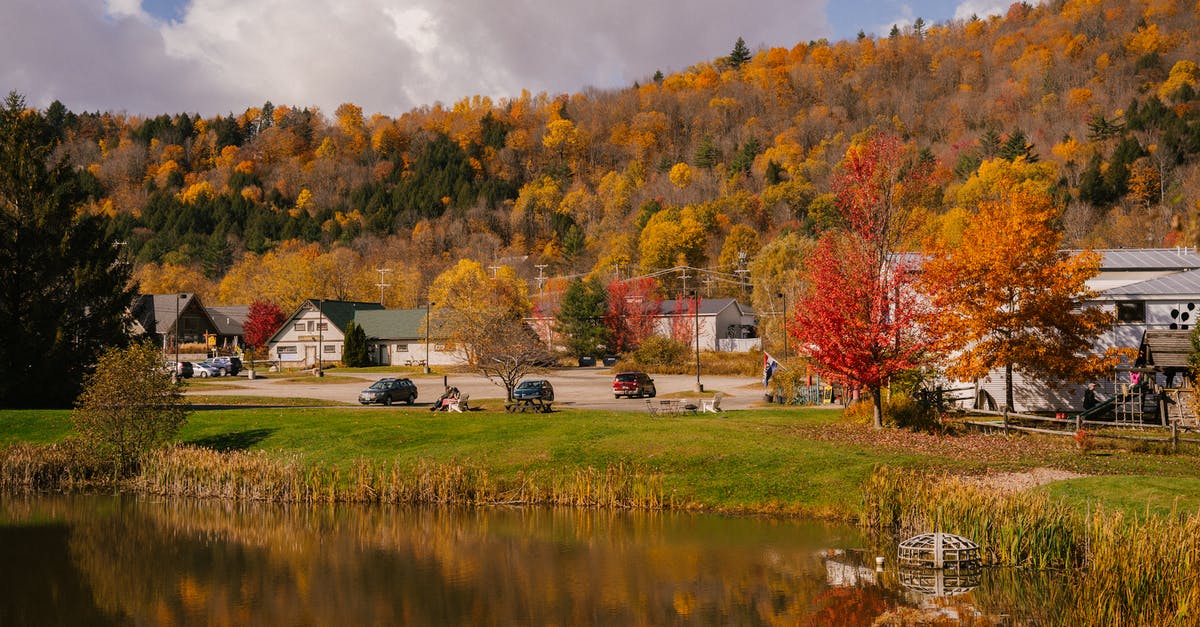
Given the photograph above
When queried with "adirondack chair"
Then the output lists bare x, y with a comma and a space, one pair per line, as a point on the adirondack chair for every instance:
712, 405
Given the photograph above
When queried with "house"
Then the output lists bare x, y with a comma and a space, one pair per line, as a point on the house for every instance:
397, 337
165, 318
724, 324
315, 333
229, 321
1149, 290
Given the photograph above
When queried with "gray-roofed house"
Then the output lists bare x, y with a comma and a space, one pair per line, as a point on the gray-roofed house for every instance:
230, 321
720, 319
397, 337
1148, 290
165, 317
315, 333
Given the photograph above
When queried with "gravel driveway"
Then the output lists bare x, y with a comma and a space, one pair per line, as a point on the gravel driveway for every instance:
589, 388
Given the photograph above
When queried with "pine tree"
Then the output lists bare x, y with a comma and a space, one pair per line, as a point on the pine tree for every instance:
64, 285
740, 54
354, 347
580, 320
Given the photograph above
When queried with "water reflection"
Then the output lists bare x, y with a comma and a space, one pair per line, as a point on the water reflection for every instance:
122, 560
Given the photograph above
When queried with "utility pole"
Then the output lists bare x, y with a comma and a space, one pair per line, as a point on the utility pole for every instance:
381, 283
541, 277
495, 270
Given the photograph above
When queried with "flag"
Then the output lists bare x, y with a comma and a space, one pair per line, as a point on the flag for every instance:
769, 367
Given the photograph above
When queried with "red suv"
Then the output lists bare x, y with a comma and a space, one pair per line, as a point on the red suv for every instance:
633, 384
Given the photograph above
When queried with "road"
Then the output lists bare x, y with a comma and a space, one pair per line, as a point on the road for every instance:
588, 388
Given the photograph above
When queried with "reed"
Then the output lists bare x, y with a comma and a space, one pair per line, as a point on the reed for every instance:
1121, 569
256, 475
33, 468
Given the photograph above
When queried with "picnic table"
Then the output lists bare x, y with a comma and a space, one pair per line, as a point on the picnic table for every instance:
535, 405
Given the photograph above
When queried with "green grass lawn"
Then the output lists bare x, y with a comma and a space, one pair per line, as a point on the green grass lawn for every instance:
809, 461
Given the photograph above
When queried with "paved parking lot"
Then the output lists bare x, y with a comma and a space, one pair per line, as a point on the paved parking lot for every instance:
589, 388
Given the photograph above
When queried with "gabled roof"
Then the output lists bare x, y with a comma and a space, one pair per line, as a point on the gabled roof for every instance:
340, 312
156, 313
337, 312
1185, 283
392, 324
708, 307
229, 320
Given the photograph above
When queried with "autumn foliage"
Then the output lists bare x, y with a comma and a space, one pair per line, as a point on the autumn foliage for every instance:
1008, 297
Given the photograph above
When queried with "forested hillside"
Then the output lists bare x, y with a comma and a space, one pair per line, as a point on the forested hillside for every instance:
704, 167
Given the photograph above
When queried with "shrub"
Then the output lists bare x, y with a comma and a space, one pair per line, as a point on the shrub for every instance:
129, 406
657, 351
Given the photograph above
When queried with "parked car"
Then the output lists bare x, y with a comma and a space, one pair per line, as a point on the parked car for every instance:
631, 384
387, 391
183, 369
226, 365
534, 388
204, 370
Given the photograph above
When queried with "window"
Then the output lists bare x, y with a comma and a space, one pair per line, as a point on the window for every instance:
310, 325
402, 348
286, 350
331, 348
299, 326
1131, 311
324, 326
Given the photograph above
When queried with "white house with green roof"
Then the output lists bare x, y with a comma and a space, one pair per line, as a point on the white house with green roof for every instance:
314, 334
397, 337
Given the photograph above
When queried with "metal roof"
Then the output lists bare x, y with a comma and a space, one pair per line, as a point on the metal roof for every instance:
392, 324
708, 306
1149, 259
1177, 284
229, 320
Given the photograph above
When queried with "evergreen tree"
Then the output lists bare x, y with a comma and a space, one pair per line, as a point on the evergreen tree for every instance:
63, 280
1018, 146
580, 319
706, 154
354, 348
740, 54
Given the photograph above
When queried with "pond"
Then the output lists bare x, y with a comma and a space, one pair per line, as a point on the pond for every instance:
117, 560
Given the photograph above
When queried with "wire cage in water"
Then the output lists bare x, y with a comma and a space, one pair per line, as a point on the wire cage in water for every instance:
939, 551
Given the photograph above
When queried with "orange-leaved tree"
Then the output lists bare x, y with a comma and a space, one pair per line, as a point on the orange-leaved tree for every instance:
1006, 297
860, 321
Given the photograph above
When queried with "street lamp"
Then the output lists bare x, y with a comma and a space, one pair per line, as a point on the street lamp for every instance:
696, 324
428, 323
178, 366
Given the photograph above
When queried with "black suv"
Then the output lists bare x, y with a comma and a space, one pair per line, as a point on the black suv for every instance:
387, 390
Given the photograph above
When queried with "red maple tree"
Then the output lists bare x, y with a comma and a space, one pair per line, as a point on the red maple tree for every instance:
861, 322
633, 308
262, 321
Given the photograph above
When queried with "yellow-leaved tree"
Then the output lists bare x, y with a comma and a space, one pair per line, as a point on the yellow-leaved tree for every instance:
1007, 297
469, 306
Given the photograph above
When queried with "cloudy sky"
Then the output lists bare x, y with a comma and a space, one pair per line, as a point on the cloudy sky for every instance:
388, 56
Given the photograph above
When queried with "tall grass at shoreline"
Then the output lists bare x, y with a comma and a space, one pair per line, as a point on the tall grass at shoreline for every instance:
1123, 569
203, 473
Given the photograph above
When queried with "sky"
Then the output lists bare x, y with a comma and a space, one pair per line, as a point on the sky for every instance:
215, 57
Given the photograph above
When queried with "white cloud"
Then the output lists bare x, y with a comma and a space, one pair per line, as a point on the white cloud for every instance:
981, 8
384, 55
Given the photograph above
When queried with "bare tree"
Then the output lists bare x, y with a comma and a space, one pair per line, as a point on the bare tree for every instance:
506, 351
